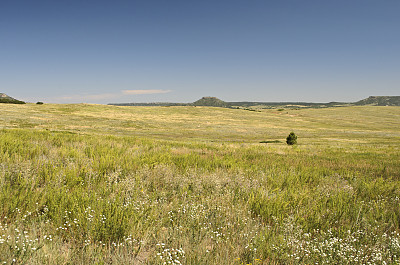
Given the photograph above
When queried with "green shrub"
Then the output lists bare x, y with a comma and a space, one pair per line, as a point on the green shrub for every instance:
291, 139
39, 103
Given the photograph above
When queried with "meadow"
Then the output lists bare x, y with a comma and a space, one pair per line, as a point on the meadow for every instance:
96, 184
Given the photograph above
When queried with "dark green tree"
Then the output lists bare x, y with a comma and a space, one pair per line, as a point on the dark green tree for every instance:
291, 139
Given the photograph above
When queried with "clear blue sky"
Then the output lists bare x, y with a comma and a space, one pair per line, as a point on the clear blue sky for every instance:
180, 50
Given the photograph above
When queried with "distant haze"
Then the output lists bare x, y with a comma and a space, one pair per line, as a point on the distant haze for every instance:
179, 51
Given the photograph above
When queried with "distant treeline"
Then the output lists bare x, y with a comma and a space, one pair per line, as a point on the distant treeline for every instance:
215, 102
162, 104
244, 104
288, 104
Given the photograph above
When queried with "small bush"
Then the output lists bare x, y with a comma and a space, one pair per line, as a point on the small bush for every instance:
39, 103
291, 139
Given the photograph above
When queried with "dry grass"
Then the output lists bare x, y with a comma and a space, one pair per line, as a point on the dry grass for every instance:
193, 185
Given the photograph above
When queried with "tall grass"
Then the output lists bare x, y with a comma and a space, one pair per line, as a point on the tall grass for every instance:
106, 193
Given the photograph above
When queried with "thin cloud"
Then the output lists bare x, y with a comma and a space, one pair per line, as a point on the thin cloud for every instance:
145, 92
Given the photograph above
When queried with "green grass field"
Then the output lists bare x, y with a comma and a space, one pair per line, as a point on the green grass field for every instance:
96, 184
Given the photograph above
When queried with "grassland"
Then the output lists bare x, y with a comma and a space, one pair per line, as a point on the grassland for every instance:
193, 185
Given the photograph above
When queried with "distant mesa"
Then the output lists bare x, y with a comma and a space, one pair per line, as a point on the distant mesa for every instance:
7, 99
211, 102
380, 101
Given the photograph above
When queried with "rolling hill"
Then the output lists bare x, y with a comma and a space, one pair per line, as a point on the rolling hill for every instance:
379, 101
211, 102
7, 99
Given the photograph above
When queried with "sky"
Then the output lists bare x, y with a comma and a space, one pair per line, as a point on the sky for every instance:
101, 51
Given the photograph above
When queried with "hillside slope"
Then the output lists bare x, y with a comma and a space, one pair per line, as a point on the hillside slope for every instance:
380, 101
7, 99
